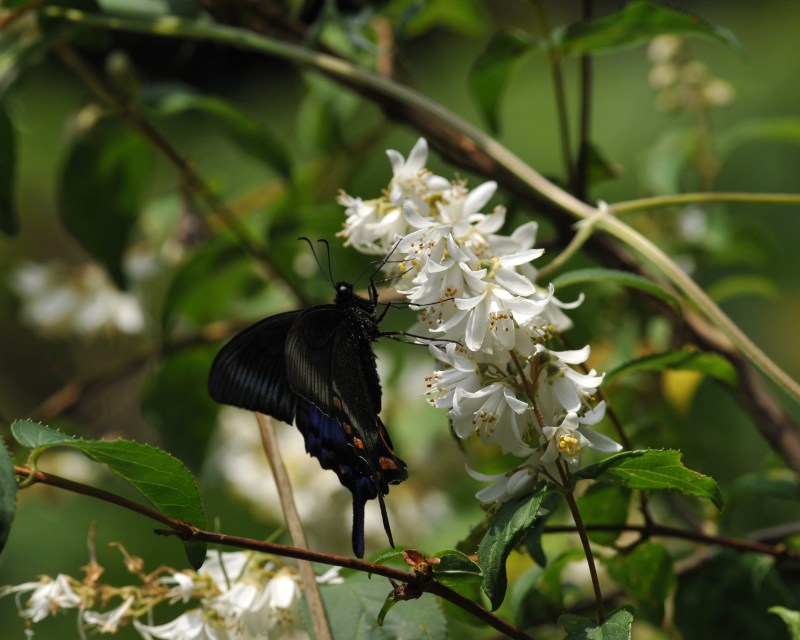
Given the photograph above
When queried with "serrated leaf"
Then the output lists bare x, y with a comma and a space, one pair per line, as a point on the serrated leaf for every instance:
456, 568
790, 618
101, 191
647, 575
492, 69
162, 479
604, 504
618, 626
249, 135
8, 494
624, 278
358, 601
507, 527
655, 470
710, 364
637, 23
8, 171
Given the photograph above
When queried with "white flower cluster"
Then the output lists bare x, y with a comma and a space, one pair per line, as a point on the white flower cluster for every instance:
58, 301
243, 596
490, 326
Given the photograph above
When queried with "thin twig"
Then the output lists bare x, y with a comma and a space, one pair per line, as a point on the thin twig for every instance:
584, 538
269, 440
188, 532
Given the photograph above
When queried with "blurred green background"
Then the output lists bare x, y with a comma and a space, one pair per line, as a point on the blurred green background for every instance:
170, 409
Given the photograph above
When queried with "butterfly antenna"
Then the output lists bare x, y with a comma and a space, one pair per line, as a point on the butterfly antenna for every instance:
316, 257
328, 252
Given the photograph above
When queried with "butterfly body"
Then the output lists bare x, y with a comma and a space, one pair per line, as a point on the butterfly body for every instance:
316, 367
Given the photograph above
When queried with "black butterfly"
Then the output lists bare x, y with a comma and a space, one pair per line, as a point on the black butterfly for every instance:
316, 367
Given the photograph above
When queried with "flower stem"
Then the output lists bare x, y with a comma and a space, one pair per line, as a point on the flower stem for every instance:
584, 537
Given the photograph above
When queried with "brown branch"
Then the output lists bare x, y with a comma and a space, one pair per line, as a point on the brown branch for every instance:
188, 532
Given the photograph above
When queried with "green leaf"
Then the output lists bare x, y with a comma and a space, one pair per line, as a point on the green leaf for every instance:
159, 477
455, 568
538, 595
8, 171
491, 71
656, 470
729, 595
618, 626
710, 364
185, 426
727, 289
249, 135
8, 493
637, 23
102, 188
507, 527
791, 618
647, 575
776, 483
631, 280
358, 601
785, 130
604, 504
150, 8
228, 278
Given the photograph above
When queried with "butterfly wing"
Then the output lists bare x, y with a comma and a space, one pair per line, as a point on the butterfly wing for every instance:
330, 363
250, 370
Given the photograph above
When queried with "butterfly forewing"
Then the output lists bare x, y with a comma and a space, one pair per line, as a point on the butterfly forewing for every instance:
250, 371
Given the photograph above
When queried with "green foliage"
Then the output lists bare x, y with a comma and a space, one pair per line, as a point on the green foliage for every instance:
603, 504
170, 101
618, 626
8, 169
624, 278
646, 574
506, 530
162, 479
654, 470
102, 191
791, 618
8, 493
492, 70
730, 596
712, 365
357, 603
636, 23
538, 595
456, 569
151, 8
185, 425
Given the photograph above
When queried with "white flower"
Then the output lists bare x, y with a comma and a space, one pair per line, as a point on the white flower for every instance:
509, 485
48, 598
276, 612
560, 386
410, 179
461, 373
569, 438
492, 414
108, 622
191, 625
